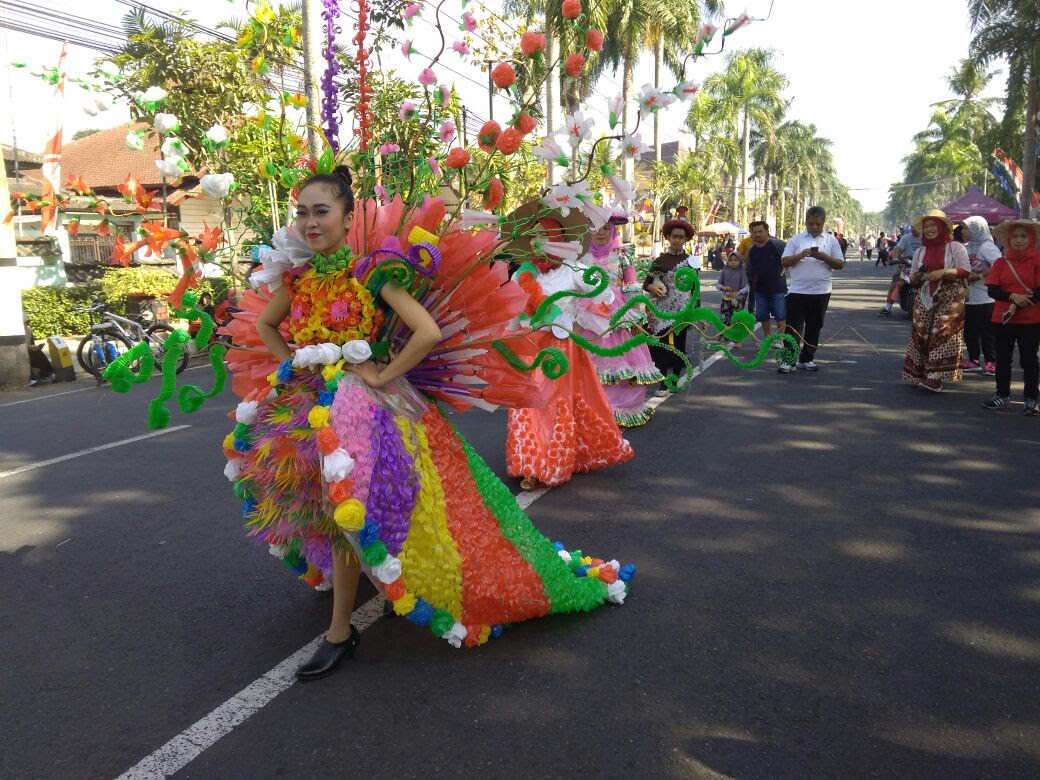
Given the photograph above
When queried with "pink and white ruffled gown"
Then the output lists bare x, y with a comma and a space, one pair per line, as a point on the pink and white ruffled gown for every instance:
624, 377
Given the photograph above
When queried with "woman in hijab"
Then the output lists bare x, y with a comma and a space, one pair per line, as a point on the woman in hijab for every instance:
940, 268
978, 310
1014, 284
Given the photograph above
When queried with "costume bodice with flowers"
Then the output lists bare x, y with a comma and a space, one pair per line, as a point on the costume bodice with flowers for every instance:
329, 305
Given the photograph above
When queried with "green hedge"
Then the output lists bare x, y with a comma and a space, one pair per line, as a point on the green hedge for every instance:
49, 309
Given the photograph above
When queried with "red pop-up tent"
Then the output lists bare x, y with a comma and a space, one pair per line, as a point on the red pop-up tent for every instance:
974, 203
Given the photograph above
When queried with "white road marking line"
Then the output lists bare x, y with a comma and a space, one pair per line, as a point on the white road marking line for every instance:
90, 451
189, 744
95, 386
527, 497
204, 733
44, 397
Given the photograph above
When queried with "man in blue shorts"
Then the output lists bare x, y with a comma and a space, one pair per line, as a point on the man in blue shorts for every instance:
766, 272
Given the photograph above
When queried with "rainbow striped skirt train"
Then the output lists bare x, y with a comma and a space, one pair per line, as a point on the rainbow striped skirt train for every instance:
385, 472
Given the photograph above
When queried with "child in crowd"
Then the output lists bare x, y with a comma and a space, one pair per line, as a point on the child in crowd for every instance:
734, 285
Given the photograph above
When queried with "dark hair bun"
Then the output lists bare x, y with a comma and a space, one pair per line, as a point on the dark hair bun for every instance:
343, 172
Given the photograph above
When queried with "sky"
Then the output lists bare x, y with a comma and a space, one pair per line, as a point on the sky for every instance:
865, 73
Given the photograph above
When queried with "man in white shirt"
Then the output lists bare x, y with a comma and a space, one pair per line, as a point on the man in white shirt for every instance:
810, 259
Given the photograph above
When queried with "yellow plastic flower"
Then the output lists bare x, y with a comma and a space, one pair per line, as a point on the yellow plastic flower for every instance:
319, 417
350, 515
405, 604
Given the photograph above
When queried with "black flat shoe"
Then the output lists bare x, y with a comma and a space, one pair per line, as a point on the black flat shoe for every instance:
327, 657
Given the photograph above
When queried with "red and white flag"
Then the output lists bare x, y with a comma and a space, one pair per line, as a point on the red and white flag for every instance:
51, 169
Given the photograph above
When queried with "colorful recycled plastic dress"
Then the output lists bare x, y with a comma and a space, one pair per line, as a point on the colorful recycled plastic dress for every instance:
576, 430
624, 377
320, 459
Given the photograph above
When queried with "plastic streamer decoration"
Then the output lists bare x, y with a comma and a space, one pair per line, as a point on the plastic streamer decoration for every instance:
330, 92
190, 398
363, 114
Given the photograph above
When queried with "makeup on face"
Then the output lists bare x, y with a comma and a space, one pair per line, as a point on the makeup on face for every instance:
930, 229
320, 219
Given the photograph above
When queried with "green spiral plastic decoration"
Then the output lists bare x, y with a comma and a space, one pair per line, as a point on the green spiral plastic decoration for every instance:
119, 374
551, 360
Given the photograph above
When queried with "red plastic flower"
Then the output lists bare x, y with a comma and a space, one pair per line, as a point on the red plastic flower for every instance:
509, 141
524, 122
571, 9
530, 42
574, 64
457, 158
503, 75
594, 39
488, 135
494, 194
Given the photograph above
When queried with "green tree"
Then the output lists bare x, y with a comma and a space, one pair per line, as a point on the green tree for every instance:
748, 93
1011, 29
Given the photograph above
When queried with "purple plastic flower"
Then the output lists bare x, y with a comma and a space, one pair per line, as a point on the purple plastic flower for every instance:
411, 10
389, 149
469, 21
427, 77
461, 47
447, 132
408, 111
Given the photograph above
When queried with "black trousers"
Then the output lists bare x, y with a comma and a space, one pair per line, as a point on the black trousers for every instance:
805, 315
668, 362
978, 332
1028, 339
882, 257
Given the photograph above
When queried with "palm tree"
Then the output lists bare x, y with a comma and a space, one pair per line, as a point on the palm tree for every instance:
1011, 28
748, 91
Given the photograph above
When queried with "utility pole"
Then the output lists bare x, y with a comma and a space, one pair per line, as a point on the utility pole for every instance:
312, 70
552, 82
491, 90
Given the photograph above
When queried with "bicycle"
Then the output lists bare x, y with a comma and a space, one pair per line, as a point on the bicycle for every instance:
112, 335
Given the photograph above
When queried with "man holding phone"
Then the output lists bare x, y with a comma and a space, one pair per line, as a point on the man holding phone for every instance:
810, 258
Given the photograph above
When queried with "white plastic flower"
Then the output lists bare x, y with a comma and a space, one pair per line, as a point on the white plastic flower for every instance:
455, 635
153, 95
217, 185
563, 197
624, 191
686, 90
614, 109
616, 592
135, 140
598, 215
389, 570
336, 465
578, 128
472, 218
357, 351
245, 412
173, 146
632, 146
233, 469
172, 167
166, 123
550, 152
652, 100
217, 135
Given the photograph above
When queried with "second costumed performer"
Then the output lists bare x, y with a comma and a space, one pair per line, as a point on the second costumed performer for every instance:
626, 376
342, 460
660, 283
575, 431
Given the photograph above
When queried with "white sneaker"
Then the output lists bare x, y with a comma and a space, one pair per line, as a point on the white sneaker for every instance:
809, 366
661, 393
784, 369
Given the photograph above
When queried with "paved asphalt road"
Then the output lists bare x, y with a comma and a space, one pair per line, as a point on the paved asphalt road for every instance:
839, 576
